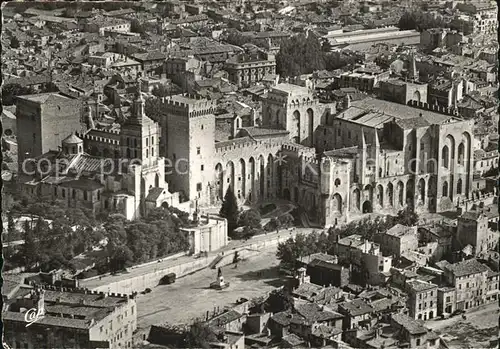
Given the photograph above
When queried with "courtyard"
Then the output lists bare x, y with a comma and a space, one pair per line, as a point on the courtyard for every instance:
190, 297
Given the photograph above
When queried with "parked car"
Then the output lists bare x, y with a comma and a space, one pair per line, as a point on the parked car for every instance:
458, 312
168, 279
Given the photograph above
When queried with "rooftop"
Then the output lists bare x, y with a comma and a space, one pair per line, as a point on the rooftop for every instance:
409, 324
467, 267
420, 286
291, 90
382, 111
45, 98
400, 230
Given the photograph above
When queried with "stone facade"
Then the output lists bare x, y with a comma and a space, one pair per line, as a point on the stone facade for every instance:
130, 181
337, 161
43, 120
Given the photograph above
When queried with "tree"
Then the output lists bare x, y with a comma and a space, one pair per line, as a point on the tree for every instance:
30, 249
229, 209
121, 257
406, 217
10, 223
292, 249
250, 218
14, 42
11, 91
300, 54
199, 336
278, 300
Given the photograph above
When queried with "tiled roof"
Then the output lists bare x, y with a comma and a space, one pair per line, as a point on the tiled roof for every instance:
356, 307
314, 313
408, 124
419, 286
409, 324
467, 267
225, 318
154, 194
48, 321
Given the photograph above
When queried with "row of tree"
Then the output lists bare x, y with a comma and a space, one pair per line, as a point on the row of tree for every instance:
77, 230
301, 54
420, 20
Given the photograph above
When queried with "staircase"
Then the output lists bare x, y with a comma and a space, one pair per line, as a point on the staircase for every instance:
214, 263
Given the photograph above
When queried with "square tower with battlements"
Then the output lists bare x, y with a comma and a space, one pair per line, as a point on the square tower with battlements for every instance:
188, 141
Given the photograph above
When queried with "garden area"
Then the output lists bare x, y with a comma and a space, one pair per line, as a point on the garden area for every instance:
56, 237
267, 217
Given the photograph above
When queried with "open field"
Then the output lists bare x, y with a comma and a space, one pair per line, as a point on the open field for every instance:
191, 297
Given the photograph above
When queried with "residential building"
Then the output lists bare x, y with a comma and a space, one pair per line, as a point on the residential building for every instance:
399, 240
246, 69
422, 300
473, 229
71, 317
470, 280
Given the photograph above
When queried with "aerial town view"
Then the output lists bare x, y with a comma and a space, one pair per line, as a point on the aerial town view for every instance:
236, 174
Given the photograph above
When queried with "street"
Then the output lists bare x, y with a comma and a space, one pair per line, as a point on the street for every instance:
476, 331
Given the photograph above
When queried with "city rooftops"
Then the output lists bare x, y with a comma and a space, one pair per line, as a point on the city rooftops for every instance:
356, 307
420, 286
400, 230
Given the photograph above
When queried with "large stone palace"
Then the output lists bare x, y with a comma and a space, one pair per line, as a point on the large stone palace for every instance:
337, 161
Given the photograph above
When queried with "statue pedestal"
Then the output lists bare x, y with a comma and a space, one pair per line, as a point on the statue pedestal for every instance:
219, 284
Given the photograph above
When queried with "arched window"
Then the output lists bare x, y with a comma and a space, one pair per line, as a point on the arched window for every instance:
445, 153
337, 182
152, 151
74, 194
461, 152
445, 188
147, 152
459, 186
98, 195
147, 142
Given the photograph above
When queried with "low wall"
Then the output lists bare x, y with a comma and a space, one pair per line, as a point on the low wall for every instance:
149, 280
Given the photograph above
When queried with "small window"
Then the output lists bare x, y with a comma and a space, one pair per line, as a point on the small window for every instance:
85, 196
198, 150
63, 192
198, 187
202, 127
202, 167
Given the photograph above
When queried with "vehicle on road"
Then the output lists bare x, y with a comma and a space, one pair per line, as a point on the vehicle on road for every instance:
168, 279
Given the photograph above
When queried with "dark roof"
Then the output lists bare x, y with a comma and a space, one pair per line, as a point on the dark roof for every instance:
314, 313
356, 307
408, 124
154, 194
